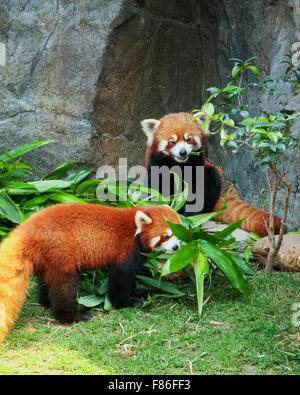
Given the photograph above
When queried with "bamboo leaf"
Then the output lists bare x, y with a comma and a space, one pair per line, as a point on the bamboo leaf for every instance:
200, 219
50, 185
36, 202
201, 268
88, 186
24, 149
162, 285
241, 263
181, 232
78, 175
107, 305
63, 197
104, 287
9, 209
18, 188
59, 171
181, 258
226, 264
231, 228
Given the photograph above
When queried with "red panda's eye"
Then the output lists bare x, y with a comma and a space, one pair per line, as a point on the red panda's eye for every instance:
189, 140
172, 142
166, 237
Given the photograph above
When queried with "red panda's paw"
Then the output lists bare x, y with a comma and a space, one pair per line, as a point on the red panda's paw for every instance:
76, 316
135, 301
85, 315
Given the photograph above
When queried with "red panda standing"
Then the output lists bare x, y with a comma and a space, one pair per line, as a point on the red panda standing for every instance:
62, 240
172, 140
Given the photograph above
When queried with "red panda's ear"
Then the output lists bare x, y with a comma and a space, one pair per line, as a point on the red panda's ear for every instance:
149, 126
141, 219
201, 119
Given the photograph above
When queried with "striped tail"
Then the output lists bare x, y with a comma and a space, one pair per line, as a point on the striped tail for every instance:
14, 279
257, 220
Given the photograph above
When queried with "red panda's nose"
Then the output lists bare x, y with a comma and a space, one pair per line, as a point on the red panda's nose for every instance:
182, 152
175, 247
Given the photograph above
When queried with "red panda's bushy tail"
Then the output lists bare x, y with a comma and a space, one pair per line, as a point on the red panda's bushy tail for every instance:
257, 220
14, 279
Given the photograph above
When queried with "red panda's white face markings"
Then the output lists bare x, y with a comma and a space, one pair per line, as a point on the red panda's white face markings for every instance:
178, 146
168, 242
154, 241
157, 234
175, 135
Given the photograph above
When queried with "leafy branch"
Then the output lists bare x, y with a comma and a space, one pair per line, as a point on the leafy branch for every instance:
266, 135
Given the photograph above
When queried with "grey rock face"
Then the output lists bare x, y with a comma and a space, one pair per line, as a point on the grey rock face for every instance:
87, 72
288, 257
267, 30
47, 89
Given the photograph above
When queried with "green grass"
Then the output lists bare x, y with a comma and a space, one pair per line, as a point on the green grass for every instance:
234, 335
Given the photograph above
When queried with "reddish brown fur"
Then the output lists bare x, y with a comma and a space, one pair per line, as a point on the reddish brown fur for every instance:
75, 237
159, 226
62, 240
148, 153
257, 220
78, 236
179, 124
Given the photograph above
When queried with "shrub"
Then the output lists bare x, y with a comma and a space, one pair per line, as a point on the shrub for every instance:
266, 135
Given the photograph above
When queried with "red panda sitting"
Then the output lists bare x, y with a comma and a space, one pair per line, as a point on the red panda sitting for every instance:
60, 241
172, 141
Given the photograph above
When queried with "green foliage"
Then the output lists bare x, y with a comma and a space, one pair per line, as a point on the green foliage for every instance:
20, 198
207, 251
266, 135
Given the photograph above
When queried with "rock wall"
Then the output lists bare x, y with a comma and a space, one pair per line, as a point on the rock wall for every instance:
47, 89
87, 72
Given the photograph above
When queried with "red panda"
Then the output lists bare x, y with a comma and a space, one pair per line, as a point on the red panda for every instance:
172, 141
63, 240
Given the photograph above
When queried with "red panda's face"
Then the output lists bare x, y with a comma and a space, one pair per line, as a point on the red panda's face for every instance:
154, 231
175, 135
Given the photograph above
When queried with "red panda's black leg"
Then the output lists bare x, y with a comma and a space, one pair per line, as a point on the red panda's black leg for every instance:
121, 288
43, 295
62, 294
43, 290
121, 282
